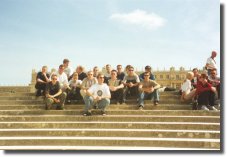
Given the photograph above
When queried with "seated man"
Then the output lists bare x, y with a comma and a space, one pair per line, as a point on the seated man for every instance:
195, 78
131, 82
54, 94
98, 93
206, 94
42, 79
148, 88
214, 81
75, 85
87, 83
107, 73
116, 87
96, 71
147, 69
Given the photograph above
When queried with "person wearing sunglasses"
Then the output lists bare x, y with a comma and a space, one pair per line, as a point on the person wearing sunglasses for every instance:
54, 94
148, 89
98, 94
87, 83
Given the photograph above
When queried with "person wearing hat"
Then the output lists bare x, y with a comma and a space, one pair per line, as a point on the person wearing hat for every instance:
147, 69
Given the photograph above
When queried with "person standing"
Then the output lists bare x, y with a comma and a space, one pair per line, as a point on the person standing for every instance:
211, 63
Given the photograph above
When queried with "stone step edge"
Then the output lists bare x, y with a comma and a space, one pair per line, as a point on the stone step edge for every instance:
109, 138
92, 129
109, 122
96, 148
146, 116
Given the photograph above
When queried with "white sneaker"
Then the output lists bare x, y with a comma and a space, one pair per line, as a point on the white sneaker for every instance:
204, 108
212, 108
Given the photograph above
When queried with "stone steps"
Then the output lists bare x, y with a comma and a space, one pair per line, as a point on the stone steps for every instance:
113, 112
111, 141
110, 133
112, 125
112, 118
172, 125
111, 106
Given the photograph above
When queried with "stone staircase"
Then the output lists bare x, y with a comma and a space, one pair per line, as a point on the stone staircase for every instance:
26, 125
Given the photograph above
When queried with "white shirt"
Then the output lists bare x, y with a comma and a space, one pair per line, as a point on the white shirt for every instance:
211, 62
68, 71
73, 83
99, 90
186, 86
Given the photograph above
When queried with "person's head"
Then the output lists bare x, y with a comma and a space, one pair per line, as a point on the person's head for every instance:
131, 71
95, 71
90, 74
66, 63
195, 72
79, 69
190, 75
44, 69
203, 78
113, 74
108, 67
146, 76
100, 78
54, 78
119, 68
213, 72
75, 76
213, 54
61, 69
148, 68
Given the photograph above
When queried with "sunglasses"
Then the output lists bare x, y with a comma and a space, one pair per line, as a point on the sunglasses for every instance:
54, 78
146, 75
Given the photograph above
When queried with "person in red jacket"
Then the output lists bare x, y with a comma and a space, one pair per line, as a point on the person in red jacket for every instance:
206, 94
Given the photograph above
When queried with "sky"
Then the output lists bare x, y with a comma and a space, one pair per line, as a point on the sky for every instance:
159, 33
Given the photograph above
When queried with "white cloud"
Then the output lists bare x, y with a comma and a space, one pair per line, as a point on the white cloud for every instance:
140, 18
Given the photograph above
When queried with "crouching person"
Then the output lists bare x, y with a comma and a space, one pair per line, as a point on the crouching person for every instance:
54, 94
206, 94
148, 89
98, 94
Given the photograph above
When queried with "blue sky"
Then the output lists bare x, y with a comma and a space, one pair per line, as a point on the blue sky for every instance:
160, 33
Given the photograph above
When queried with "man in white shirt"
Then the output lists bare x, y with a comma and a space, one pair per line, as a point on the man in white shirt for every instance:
62, 78
67, 69
97, 94
211, 63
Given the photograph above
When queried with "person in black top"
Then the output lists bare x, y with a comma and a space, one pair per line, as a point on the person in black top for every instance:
120, 73
54, 94
147, 69
42, 79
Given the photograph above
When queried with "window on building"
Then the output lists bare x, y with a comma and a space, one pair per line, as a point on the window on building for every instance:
167, 76
161, 76
177, 77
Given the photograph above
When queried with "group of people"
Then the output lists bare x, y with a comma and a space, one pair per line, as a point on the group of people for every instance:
98, 89
95, 88
203, 89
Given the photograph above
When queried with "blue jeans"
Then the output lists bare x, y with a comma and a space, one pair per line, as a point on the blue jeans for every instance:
102, 104
154, 95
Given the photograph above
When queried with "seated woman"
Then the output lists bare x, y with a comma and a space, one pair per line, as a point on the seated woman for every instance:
186, 88
206, 94
74, 92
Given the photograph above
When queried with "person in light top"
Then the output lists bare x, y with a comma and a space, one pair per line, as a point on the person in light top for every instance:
186, 88
98, 94
211, 63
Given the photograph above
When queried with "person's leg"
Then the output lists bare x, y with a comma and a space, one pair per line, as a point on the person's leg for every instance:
102, 104
155, 96
62, 100
48, 103
88, 103
203, 100
119, 95
125, 93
